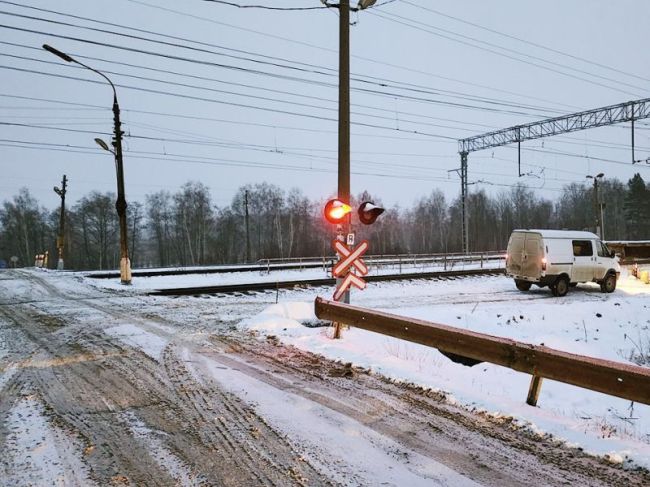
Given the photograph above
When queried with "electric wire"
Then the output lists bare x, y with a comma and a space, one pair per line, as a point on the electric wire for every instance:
319, 70
418, 26
525, 41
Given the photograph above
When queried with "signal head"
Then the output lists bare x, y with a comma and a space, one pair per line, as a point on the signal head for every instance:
368, 212
336, 211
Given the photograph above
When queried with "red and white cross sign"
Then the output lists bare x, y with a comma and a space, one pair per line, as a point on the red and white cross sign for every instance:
350, 280
349, 265
350, 258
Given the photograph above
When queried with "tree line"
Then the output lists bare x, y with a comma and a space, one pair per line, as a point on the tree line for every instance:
264, 221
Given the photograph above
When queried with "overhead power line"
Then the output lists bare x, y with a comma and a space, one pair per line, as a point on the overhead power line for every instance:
239, 105
265, 7
214, 80
220, 120
478, 44
525, 41
186, 159
333, 51
317, 70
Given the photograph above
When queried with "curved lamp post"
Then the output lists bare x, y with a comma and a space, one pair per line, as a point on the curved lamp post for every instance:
120, 204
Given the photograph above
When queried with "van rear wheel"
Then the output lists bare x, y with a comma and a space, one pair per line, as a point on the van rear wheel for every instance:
560, 287
522, 285
609, 284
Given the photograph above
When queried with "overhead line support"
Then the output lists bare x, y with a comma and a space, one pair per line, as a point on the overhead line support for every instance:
599, 117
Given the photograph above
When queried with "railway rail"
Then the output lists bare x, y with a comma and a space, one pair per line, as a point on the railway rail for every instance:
271, 286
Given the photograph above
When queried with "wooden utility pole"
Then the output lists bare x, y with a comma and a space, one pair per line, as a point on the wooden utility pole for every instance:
60, 241
344, 120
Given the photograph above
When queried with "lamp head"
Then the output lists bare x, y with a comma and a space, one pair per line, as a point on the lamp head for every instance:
58, 53
363, 4
102, 144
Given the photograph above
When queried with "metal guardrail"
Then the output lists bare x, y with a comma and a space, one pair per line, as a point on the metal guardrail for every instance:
396, 261
617, 379
390, 257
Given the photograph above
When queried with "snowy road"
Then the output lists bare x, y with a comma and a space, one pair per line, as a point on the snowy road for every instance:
111, 387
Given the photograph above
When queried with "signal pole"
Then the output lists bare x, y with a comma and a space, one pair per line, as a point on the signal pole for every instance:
344, 116
60, 241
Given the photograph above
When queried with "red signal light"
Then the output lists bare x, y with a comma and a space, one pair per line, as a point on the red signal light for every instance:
336, 211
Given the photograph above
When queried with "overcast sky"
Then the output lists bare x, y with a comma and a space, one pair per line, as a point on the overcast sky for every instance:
229, 96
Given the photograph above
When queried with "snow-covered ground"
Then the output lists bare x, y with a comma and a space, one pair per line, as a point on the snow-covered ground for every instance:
611, 326
178, 333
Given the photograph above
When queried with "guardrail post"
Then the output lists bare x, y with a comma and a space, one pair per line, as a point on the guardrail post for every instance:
534, 390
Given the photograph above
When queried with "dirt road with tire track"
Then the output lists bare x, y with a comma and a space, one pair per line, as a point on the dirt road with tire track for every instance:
157, 391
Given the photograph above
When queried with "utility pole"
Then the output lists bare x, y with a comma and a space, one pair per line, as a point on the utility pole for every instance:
597, 206
344, 116
120, 204
248, 240
60, 241
464, 191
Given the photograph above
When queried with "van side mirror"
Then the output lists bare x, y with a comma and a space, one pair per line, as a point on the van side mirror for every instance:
612, 254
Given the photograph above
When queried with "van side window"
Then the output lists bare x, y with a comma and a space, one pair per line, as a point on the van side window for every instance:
582, 248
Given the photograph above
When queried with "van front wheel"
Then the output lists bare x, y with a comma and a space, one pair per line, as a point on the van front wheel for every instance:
522, 285
560, 287
609, 284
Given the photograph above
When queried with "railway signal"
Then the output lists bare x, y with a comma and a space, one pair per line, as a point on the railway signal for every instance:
368, 212
336, 211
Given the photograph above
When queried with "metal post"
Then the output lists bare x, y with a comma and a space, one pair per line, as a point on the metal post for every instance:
60, 241
596, 212
120, 204
248, 240
632, 117
463, 182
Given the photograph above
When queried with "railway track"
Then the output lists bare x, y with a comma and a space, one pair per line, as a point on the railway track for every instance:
211, 270
270, 286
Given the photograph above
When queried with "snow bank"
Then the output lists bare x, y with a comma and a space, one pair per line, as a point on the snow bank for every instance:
612, 326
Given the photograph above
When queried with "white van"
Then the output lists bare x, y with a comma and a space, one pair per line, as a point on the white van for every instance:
560, 259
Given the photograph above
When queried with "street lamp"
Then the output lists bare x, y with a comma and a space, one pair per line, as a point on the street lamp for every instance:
120, 204
598, 207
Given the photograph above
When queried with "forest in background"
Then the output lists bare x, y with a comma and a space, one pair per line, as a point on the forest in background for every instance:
185, 228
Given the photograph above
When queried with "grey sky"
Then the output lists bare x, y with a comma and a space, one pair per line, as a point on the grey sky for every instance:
226, 145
